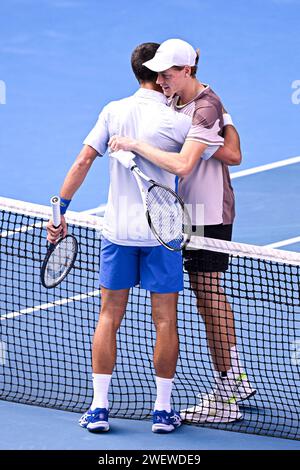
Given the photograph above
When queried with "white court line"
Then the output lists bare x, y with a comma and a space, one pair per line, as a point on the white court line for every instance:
25, 311
236, 174
289, 241
261, 168
271, 166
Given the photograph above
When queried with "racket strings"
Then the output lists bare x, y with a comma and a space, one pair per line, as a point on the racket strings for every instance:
168, 217
60, 261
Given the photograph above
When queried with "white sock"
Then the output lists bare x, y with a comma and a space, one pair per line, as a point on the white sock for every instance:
236, 365
163, 397
101, 384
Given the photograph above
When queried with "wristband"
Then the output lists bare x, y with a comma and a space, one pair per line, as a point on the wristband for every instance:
227, 120
64, 204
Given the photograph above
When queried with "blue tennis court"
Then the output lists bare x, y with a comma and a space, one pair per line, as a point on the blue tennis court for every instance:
60, 64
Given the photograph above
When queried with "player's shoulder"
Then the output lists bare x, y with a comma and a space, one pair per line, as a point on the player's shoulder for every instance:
118, 103
208, 106
173, 115
207, 98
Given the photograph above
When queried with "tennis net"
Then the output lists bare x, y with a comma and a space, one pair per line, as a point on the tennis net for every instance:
46, 335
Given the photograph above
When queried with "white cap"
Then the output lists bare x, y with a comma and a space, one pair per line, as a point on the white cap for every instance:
170, 53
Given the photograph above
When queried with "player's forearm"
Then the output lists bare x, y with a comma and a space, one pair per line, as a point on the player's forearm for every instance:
169, 161
180, 164
230, 153
77, 173
73, 181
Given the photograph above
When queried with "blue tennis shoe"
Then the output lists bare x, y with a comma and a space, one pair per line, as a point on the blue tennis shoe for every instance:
164, 422
95, 420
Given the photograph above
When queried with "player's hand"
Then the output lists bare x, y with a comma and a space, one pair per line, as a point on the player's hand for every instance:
54, 234
117, 142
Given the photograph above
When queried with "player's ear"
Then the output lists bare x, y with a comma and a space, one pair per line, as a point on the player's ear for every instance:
187, 71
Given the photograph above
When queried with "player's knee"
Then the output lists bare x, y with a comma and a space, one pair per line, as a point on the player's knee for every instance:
110, 319
165, 322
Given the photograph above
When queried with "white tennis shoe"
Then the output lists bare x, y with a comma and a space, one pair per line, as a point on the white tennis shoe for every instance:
221, 405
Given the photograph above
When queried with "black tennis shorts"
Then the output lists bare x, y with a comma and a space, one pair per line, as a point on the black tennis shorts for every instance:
204, 261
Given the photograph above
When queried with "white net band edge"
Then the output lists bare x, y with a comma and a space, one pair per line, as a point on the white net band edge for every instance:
211, 244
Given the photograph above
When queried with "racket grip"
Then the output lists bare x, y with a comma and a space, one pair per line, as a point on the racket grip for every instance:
55, 203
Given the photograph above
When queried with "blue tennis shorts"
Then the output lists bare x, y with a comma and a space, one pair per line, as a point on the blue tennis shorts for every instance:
156, 268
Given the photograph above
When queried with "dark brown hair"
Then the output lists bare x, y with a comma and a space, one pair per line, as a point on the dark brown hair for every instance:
141, 54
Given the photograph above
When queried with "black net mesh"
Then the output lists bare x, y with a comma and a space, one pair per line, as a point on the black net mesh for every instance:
45, 354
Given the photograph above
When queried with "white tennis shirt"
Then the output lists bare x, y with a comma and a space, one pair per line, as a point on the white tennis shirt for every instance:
143, 116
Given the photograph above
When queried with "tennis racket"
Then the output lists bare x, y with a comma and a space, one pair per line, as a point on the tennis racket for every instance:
165, 212
60, 256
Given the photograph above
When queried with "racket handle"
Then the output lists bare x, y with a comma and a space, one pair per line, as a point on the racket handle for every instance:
55, 203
